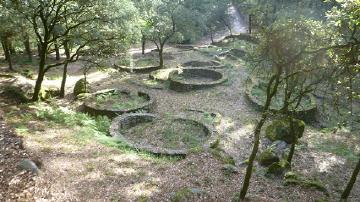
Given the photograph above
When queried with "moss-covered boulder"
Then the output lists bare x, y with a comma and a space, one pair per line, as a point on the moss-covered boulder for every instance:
47, 93
81, 86
15, 93
278, 168
281, 130
268, 157
293, 178
83, 96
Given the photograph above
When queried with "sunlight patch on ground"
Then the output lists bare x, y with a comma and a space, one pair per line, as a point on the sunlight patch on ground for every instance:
325, 162
64, 165
71, 80
128, 159
242, 132
142, 189
226, 124
124, 171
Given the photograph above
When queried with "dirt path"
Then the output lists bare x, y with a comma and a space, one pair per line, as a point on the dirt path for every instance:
15, 183
77, 169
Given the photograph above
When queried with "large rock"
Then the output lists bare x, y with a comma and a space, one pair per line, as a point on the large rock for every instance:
280, 148
278, 168
268, 157
281, 130
29, 165
15, 92
47, 93
81, 86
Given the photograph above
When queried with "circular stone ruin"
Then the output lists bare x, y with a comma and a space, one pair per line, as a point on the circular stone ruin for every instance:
114, 102
209, 64
142, 70
167, 135
256, 93
194, 79
161, 74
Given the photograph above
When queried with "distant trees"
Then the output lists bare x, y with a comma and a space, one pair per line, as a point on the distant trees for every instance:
161, 26
301, 54
74, 24
345, 19
284, 50
9, 30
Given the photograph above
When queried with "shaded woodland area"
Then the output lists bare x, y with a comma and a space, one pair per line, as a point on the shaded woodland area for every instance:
179, 100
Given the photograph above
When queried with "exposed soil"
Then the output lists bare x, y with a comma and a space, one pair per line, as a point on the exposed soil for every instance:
77, 170
15, 183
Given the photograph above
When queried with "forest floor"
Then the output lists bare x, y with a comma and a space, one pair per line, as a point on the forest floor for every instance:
80, 166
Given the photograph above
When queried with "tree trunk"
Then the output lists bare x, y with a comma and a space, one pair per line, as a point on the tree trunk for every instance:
250, 24
63, 82
39, 49
270, 93
143, 41
161, 56
212, 36
294, 139
41, 74
57, 51
252, 157
4, 48
11, 47
351, 183
27, 47
5, 45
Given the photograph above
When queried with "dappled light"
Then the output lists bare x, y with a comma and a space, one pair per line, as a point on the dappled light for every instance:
179, 100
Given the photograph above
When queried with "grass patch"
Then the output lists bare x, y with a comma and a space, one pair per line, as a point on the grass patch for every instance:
118, 100
91, 130
338, 148
168, 133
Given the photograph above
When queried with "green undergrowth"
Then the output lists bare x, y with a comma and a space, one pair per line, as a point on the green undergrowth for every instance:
293, 178
338, 148
90, 129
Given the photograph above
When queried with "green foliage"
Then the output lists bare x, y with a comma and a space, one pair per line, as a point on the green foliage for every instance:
337, 148
118, 100
292, 178
185, 194
124, 60
222, 156
278, 168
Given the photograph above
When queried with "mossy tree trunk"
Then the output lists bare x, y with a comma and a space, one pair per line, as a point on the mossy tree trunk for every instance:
64, 76
270, 93
212, 35
351, 182
57, 51
250, 22
42, 49
161, 56
27, 46
143, 44
294, 141
7, 52
11, 47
